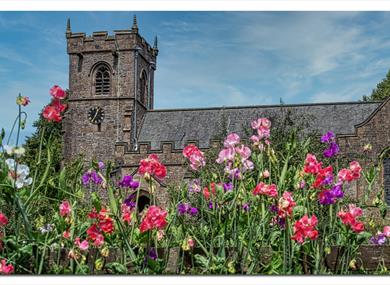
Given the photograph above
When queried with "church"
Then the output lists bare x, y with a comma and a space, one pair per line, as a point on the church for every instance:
111, 113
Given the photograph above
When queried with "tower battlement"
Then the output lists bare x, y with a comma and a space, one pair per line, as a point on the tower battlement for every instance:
102, 41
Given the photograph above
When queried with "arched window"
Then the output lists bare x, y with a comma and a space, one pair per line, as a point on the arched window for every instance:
386, 178
102, 81
143, 88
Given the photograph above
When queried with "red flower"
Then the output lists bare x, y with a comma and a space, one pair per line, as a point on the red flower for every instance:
349, 218
3, 220
151, 166
126, 213
107, 225
56, 103
311, 164
50, 113
155, 218
265, 189
6, 269
324, 176
304, 228
57, 92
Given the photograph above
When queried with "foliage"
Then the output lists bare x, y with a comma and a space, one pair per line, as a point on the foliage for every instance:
265, 207
382, 90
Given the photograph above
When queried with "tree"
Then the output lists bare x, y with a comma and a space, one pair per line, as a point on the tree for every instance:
382, 90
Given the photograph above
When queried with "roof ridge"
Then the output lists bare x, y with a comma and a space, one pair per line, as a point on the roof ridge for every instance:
266, 106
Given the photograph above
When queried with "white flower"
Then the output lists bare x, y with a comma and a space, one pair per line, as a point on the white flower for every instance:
18, 151
22, 172
46, 228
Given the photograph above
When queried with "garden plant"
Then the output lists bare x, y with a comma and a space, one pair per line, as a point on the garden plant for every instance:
251, 209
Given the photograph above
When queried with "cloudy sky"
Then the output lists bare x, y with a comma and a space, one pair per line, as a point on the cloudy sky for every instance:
208, 59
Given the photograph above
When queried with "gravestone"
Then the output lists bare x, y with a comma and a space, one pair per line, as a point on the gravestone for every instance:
386, 179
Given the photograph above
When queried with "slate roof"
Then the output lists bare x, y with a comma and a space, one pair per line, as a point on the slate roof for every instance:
203, 125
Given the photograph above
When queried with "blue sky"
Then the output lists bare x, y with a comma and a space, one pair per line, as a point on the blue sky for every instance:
208, 58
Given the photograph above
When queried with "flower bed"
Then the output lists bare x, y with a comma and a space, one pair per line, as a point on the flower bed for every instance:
250, 209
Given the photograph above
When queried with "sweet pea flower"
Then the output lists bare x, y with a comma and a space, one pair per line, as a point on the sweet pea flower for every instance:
91, 176
65, 209
378, 239
195, 156
57, 92
386, 231
194, 186
265, 189
231, 140
265, 174
311, 164
286, 205
3, 220
350, 218
17, 151
4, 268
328, 137
128, 182
155, 218
82, 245
18, 173
305, 228
151, 166
22, 100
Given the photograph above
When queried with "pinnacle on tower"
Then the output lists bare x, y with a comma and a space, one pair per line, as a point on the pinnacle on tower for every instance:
134, 28
68, 29
155, 43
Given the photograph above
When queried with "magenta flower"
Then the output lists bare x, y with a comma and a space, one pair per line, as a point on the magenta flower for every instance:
328, 137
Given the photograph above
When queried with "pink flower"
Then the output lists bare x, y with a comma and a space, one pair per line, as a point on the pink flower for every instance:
151, 166
356, 169
349, 218
57, 92
311, 164
195, 156
65, 209
155, 218
243, 151
304, 228
231, 140
81, 245
66, 234
3, 220
265, 173
263, 132
265, 189
226, 154
6, 269
386, 231
286, 205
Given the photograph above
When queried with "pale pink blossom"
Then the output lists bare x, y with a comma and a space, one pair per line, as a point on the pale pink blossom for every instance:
231, 140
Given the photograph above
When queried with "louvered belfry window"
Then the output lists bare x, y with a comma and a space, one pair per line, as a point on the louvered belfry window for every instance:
102, 81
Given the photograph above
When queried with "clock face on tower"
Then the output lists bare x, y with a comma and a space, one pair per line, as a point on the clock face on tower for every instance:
96, 115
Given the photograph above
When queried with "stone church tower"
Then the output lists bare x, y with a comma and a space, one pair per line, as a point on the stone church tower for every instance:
111, 84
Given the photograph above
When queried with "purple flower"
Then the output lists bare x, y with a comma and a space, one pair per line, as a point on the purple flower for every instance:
101, 164
337, 192
326, 197
128, 182
91, 176
228, 186
194, 186
183, 208
129, 201
282, 222
193, 211
246, 207
274, 208
328, 137
379, 239
212, 205
332, 150
152, 253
